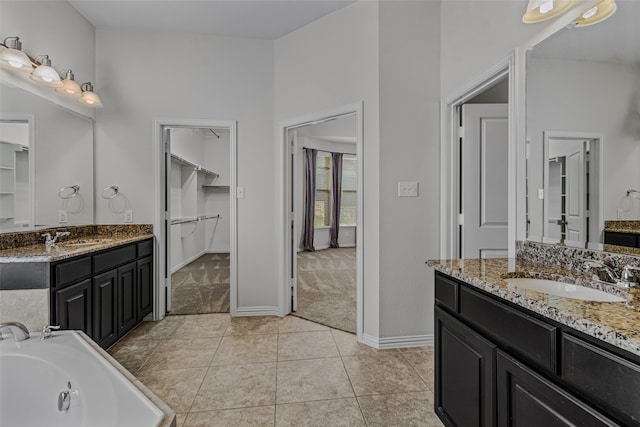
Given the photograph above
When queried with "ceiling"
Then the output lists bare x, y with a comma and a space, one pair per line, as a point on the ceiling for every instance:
261, 19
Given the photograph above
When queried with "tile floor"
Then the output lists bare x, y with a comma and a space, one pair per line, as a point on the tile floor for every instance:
214, 370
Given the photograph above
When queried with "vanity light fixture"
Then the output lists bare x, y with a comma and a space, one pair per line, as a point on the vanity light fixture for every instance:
541, 10
598, 13
69, 85
89, 97
13, 57
44, 73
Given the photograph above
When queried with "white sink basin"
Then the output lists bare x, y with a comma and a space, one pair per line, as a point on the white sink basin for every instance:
566, 290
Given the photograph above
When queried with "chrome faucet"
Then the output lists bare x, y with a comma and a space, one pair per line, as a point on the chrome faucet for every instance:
48, 241
607, 274
17, 329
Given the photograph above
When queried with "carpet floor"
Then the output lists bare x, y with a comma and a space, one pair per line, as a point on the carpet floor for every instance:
201, 286
327, 287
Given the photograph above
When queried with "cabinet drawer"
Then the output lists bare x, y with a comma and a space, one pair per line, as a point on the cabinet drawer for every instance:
69, 272
446, 292
609, 378
526, 336
145, 248
113, 258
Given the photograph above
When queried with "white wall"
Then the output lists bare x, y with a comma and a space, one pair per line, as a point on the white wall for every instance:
573, 96
151, 74
56, 29
409, 151
329, 63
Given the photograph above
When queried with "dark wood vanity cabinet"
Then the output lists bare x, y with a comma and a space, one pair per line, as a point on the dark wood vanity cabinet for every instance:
498, 364
104, 294
631, 240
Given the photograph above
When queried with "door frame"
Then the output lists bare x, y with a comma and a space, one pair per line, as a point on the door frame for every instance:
512, 67
159, 171
285, 207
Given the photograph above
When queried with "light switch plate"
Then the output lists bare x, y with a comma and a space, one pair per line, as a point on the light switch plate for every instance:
407, 189
540, 193
240, 192
620, 214
128, 216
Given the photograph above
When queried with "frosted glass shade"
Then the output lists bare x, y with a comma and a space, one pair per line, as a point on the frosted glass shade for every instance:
90, 98
541, 10
46, 75
16, 60
597, 13
69, 86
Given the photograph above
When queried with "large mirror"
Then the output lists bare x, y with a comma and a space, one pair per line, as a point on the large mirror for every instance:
583, 129
46, 163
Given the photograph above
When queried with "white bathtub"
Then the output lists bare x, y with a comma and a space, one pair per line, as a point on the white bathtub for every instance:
33, 373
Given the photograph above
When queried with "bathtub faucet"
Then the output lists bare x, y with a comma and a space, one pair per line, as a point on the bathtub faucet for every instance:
17, 329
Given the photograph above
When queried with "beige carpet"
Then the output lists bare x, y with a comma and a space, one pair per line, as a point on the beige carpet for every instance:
201, 286
327, 287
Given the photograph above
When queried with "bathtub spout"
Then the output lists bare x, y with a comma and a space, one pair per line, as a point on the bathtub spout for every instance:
17, 329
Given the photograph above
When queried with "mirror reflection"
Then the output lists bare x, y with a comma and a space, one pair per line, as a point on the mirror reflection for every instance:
583, 129
46, 163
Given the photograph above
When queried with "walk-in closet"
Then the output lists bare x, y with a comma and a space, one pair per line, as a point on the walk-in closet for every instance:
199, 247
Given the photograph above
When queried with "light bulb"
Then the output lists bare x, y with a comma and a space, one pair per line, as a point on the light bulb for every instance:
546, 7
589, 13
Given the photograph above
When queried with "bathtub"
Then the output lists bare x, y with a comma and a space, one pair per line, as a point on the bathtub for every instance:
33, 373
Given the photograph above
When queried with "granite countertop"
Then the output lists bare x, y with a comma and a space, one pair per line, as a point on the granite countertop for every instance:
622, 226
615, 323
68, 248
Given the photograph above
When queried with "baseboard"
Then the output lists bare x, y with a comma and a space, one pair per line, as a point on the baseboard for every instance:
398, 342
319, 248
187, 261
219, 251
258, 311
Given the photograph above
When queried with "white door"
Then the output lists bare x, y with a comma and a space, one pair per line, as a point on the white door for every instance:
166, 274
484, 175
294, 193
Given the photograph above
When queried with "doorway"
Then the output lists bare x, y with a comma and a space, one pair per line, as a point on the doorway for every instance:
318, 133
196, 217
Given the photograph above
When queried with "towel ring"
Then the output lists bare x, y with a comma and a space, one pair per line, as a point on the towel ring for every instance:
113, 188
69, 192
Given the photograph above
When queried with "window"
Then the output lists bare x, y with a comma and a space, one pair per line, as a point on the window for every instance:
348, 211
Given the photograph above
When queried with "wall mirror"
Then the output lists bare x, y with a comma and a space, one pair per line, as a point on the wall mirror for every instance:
583, 129
46, 163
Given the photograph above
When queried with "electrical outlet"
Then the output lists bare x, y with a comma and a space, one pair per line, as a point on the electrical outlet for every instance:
240, 192
540, 193
407, 189
62, 216
620, 214
128, 216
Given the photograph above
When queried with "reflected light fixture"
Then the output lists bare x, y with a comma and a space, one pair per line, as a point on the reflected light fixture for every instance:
13, 57
89, 97
541, 10
598, 13
44, 73
69, 86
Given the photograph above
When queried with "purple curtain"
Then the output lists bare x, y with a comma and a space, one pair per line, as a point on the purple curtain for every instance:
336, 197
310, 156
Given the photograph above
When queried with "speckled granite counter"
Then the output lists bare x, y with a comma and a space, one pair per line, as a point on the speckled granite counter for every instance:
615, 323
29, 246
622, 226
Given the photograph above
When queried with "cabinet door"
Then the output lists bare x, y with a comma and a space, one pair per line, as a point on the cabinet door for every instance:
127, 309
464, 374
73, 307
145, 286
105, 296
526, 399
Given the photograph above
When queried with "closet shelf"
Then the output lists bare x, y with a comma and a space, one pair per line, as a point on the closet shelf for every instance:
190, 219
212, 186
195, 166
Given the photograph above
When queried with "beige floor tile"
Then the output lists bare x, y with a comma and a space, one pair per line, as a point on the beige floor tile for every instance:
235, 350
132, 354
382, 373
306, 345
422, 362
261, 416
410, 349
313, 379
237, 386
253, 325
295, 324
334, 413
182, 354
401, 410
180, 419
348, 344
154, 330
176, 387
202, 325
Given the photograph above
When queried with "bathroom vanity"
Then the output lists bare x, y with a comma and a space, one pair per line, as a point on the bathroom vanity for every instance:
506, 355
99, 280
